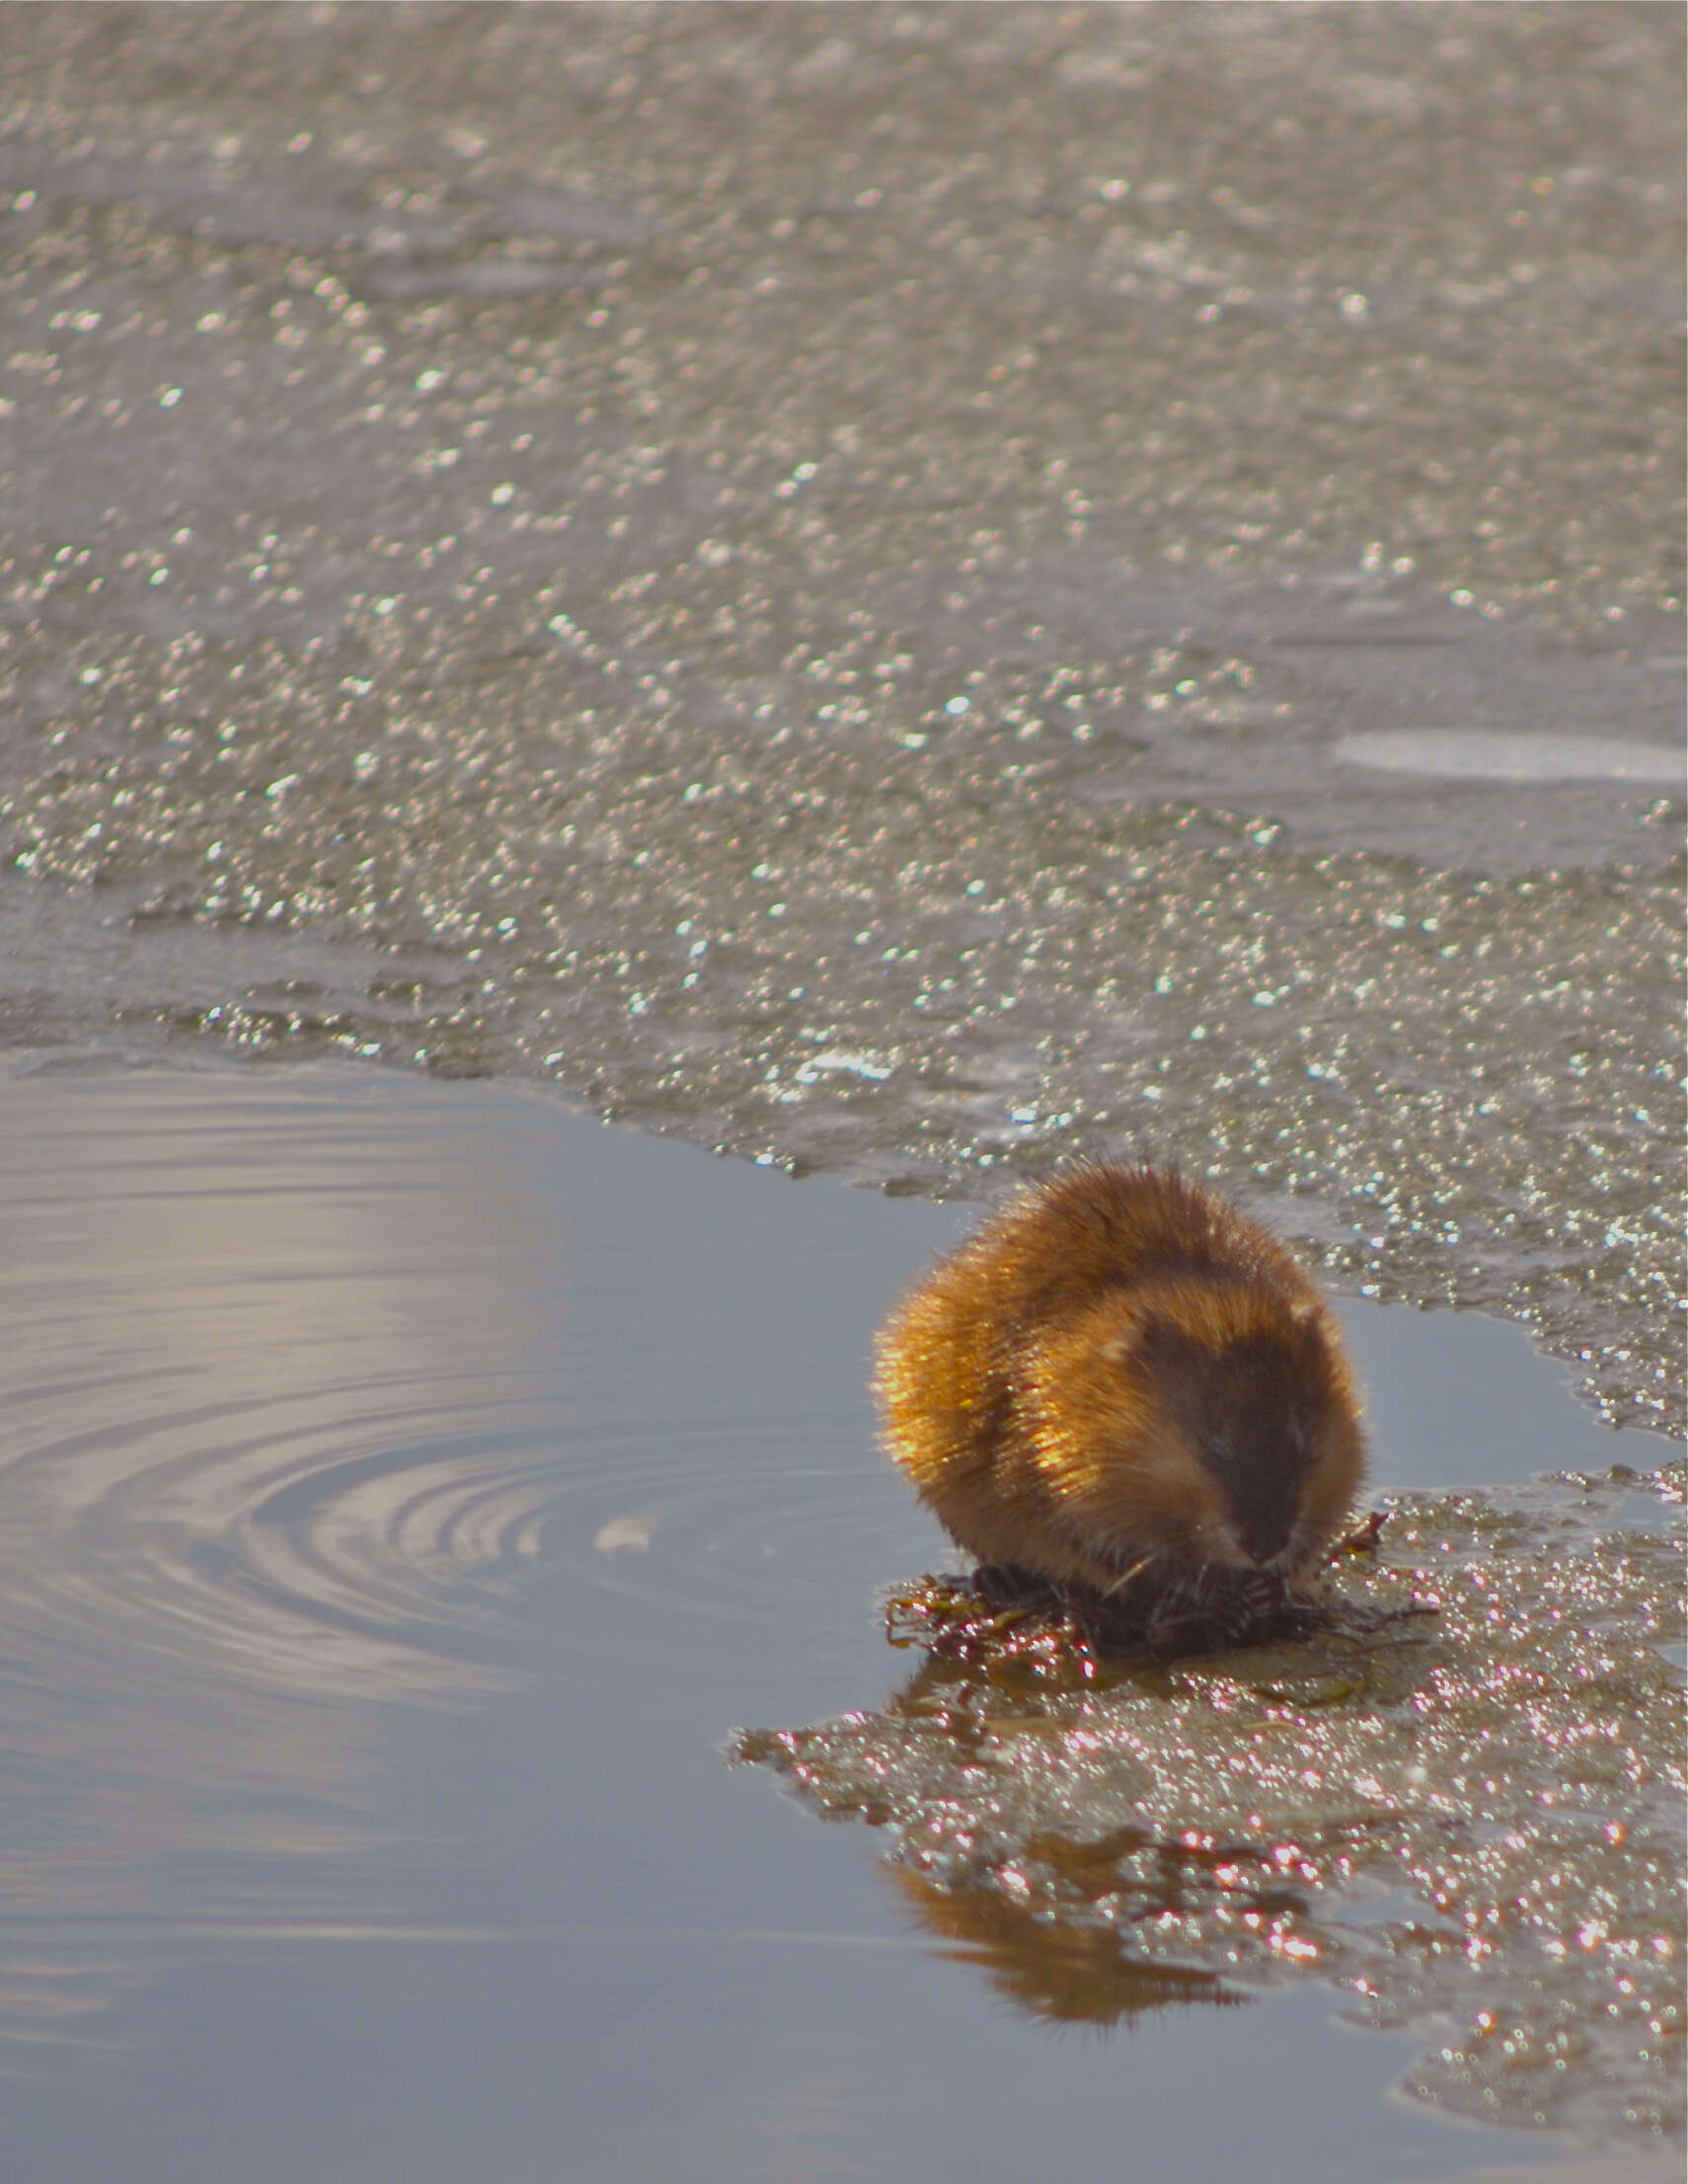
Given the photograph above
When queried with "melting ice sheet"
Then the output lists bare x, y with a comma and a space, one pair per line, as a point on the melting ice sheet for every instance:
404, 1488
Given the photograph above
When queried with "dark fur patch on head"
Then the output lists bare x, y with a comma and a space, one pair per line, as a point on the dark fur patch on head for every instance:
1245, 1408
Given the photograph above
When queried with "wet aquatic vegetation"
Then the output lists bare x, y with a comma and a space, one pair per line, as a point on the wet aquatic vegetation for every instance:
1471, 1820
1011, 1623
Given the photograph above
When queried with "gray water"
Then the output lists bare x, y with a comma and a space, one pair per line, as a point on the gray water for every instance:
408, 1491
902, 592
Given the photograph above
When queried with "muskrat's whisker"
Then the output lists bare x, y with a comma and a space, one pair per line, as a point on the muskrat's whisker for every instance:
1136, 1570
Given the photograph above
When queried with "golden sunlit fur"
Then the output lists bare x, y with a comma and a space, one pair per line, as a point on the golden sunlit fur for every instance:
1123, 1386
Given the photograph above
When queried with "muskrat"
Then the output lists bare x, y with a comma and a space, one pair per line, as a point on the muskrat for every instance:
1123, 1391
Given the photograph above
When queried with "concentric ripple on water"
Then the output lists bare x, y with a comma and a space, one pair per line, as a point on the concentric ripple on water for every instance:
303, 1400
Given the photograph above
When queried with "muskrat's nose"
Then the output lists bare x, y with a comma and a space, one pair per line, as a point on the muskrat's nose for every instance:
1262, 1507
1264, 1533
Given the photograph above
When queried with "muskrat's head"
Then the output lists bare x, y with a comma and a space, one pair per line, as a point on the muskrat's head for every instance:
1208, 1422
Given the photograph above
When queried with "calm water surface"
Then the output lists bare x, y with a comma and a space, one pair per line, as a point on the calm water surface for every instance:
406, 1490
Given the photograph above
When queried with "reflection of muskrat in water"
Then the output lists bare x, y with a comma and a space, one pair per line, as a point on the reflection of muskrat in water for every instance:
1123, 1388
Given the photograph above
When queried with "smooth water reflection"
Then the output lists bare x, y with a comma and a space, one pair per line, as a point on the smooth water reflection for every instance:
404, 1490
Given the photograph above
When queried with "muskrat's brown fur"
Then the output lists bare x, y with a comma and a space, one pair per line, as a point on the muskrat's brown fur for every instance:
1125, 1390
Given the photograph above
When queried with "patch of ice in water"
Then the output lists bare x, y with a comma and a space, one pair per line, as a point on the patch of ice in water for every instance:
1511, 754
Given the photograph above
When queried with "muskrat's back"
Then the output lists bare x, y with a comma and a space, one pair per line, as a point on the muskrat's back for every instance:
1122, 1385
